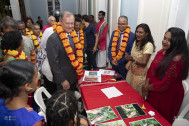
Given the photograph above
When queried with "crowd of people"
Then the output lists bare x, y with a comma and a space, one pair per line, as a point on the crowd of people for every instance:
56, 53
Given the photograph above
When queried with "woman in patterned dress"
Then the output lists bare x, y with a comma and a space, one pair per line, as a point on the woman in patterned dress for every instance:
139, 61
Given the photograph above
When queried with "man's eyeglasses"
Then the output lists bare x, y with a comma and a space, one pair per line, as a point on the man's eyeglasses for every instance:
121, 24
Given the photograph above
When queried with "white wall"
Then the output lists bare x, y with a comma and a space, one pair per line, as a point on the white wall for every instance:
129, 8
83, 7
35, 8
114, 13
27, 7
69, 5
102, 6
155, 13
179, 15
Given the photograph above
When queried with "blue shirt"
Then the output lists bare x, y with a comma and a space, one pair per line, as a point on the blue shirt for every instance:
19, 117
90, 32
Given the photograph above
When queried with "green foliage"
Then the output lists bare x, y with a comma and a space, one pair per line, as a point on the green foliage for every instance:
132, 109
107, 112
117, 123
146, 121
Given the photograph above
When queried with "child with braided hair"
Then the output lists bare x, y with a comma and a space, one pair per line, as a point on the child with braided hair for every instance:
62, 110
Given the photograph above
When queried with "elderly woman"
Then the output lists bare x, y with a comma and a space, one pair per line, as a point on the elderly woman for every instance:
18, 78
139, 61
168, 69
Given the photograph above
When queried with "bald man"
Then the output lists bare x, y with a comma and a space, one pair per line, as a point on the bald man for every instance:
51, 20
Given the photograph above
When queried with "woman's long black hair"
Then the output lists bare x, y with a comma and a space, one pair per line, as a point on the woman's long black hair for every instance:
13, 75
178, 46
148, 38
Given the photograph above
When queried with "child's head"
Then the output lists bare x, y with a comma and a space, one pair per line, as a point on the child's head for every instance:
62, 109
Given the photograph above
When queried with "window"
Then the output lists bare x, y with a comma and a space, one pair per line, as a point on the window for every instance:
53, 7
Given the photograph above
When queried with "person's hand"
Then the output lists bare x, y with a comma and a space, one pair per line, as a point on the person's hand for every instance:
65, 85
128, 57
80, 80
128, 66
94, 49
145, 89
114, 63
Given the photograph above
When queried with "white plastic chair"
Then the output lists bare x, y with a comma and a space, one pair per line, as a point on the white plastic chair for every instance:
186, 88
180, 121
41, 113
39, 100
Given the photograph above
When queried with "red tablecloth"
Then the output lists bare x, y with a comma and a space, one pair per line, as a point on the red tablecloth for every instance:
93, 98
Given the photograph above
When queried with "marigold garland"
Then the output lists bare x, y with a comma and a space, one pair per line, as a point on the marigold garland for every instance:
118, 56
32, 55
16, 54
27, 30
27, 34
81, 35
77, 63
35, 41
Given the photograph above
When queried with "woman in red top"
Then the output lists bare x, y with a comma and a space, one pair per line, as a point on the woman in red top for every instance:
168, 69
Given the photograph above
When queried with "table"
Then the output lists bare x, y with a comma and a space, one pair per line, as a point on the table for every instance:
93, 98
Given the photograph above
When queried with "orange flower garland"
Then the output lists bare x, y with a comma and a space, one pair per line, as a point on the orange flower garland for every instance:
77, 63
35, 41
27, 30
16, 54
118, 56
81, 35
32, 56
27, 34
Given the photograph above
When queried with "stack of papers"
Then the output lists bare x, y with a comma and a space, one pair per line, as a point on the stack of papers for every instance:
111, 92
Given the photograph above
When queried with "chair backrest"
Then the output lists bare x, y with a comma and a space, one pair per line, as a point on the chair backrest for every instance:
39, 99
41, 113
182, 119
186, 87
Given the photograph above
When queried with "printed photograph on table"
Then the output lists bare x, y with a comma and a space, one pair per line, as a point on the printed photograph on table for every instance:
91, 79
107, 72
102, 114
130, 111
113, 123
146, 122
92, 73
92, 76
